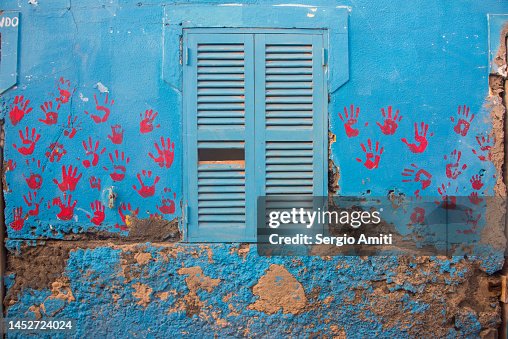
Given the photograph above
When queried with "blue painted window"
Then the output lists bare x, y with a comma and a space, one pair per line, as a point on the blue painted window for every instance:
255, 125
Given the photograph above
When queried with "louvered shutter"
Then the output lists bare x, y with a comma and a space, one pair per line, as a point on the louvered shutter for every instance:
290, 129
219, 108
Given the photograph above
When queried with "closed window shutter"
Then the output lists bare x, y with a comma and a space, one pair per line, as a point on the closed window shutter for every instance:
289, 115
219, 106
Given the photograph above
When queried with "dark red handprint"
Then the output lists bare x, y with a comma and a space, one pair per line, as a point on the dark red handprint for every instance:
70, 179
34, 180
28, 140
486, 144
93, 151
166, 153
464, 121
95, 183
102, 110
50, 115
454, 168
420, 137
31, 202
476, 182
66, 208
418, 216
167, 205
415, 174
472, 221
350, 119
474, 199
122, 209
146, 190
119, 162
372, 156
56, 152
64, 89
19, 220
19, 109
390, 123
98, 212
448, 201
10, 165
72, 127
116, 136
146, 124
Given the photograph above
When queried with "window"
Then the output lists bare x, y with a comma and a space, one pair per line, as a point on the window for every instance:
254, 125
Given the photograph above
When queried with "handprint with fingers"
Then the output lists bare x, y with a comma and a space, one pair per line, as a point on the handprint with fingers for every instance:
350, 119
55, 152
95, 183
146, 125
147, 184
92, 150
70, 179
50, 114
454, 167
486, 144
476, 182
34, 179
124, 216
420, 137
66, 207
167, 204
372, 156
116, 136
165, 153
390, 122
102, 109
64, 90
32, 202
119, 162
19, 109
464, 122
98, 212
72, 127
448, 201
19, 219
28, 141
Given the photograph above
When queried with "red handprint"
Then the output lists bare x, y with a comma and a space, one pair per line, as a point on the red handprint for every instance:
390, 123
121, 211
50, 115
64, 89
349, 120
19, 220
421, 176
485, 144
29, 141
56, 152
66, 209
476, 182
10, 165
103, 109
69, 179
19, 109
167, 205
116, 136
119, 165
31, 201
98, 212
34, 180
473, 197
166, 153
462, 126
95, 183
449, 202
418, 216
471, 220
146, 190
420, 137
92, 150
72, 127
146, 124
372, 157
453, 169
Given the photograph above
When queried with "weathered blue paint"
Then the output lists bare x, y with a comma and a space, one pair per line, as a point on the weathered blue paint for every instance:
424, 58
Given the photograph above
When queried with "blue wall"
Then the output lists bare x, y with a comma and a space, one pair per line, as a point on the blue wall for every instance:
423, 58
